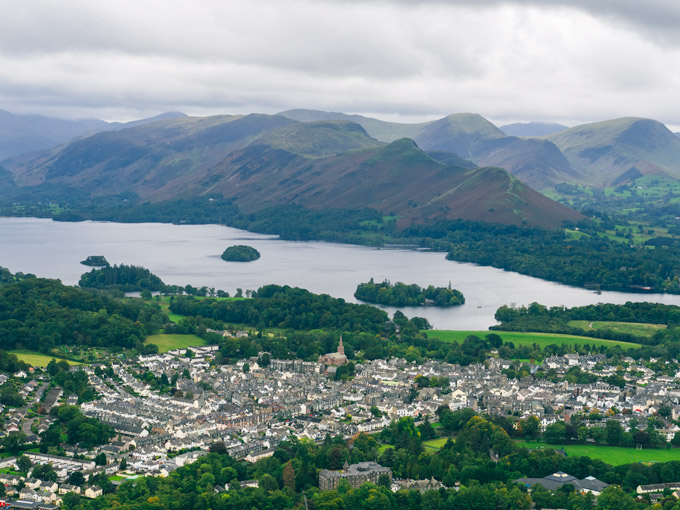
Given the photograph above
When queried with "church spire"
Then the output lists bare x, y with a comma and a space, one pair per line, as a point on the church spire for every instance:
341, 348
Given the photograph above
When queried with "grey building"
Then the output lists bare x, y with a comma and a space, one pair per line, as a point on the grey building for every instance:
356, 474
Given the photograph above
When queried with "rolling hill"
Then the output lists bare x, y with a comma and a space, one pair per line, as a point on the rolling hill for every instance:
618, 151
262, 160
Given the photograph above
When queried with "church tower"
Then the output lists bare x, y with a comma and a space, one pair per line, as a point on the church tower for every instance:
341, 348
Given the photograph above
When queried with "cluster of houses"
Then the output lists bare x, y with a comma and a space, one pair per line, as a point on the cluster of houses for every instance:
252, 409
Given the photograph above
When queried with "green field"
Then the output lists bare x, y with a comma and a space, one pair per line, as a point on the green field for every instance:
38, 359
167, 343
435, 444
521, 338
615, 455
632, 328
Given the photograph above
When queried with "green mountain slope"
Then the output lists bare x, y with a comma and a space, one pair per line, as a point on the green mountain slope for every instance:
398, 179
618, 151
539, 163
154, 160
264, 160
317, 139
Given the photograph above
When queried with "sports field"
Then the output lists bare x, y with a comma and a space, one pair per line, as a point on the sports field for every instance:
615, 455
521, 338
38, 359
167, 343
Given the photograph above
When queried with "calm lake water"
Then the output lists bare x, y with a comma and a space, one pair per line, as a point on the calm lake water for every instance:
190, 254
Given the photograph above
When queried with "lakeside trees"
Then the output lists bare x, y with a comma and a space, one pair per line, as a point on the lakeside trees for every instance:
39, 314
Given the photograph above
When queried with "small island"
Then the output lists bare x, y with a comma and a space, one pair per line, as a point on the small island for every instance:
124, 278
401, 294
240, 253
95, 261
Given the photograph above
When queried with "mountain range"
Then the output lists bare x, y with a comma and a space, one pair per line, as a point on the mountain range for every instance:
262, 160
28, 133
459, 166
600, 154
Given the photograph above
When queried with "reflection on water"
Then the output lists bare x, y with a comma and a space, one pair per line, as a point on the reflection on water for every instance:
190, 254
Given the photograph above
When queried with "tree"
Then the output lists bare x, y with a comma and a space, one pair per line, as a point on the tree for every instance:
100, 459
246, 368
218, 447
288, 476
614, 498
556, 433
13, 442
24, 464
531, 427
384, 480
614, 432
76, 478
426, 430
268, 483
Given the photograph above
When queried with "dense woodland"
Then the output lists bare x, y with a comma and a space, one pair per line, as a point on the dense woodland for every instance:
401, 294
39, 314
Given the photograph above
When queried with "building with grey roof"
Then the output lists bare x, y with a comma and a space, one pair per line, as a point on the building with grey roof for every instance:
356, 475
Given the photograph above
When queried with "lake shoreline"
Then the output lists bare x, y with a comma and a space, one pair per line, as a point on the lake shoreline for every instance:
184, 254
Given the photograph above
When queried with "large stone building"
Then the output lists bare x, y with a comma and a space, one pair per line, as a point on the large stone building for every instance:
356, 474
335, 358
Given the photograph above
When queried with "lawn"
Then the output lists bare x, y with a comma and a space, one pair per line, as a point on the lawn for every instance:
615, 455
38, 359
521, 338
435, 444
632, 328
167, 343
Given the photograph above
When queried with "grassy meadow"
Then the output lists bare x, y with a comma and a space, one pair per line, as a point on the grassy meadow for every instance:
38, 359
167, 342
522, 338
615, 455
633, 328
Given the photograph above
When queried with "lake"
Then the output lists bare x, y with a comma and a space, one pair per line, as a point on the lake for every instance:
190, 254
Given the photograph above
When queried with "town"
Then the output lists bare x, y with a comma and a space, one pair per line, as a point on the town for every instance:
249, 408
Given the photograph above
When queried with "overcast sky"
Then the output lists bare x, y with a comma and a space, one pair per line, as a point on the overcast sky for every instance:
545, 60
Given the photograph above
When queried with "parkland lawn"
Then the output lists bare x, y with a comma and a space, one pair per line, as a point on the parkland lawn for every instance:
615, 455
435, 444
632, 328
167, 343
521, 338
38, 359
